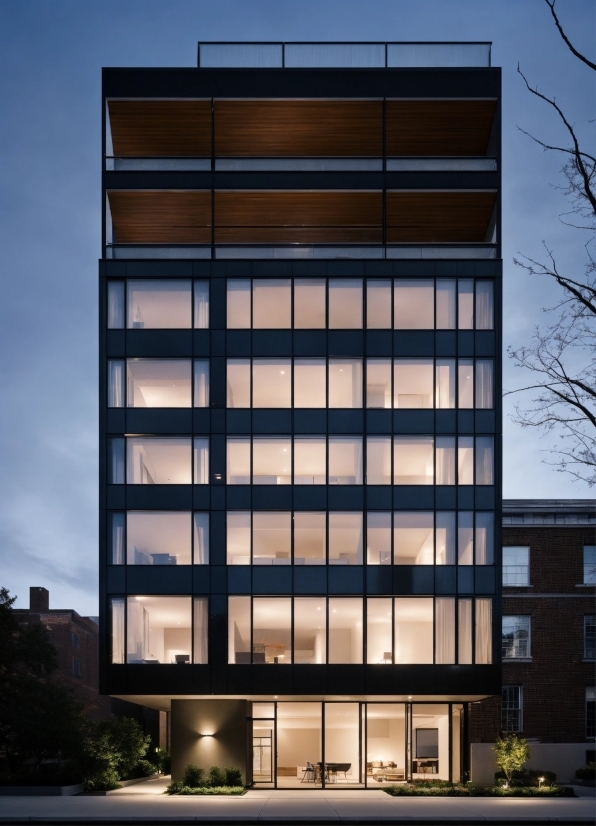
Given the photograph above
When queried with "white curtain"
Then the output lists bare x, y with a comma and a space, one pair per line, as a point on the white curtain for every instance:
465, 538
445, 383
445, 460
484, 539
445, 630
445, 304
118, 630
117, 538
201, 462
484, 384
115, 383
484, 460
464, 632
465, 304
201, 383
484, 305
201, 620
115, 305
116, 462
484, 625
201, 304
445, 538
201, 539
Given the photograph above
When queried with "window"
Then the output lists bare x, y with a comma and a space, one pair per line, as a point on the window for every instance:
413, 305
310, 630
310, 538
345, 460
201, 289
345, 304
238, 461
201, 461
590, 637
201, 383
515, 638
271, 303
115, 305
413, 630
309, 304
310, 460
271, 383
445, 460
238, 296
345, 383
345, 538
483, 631
116, 462
271, 630
117, 629
379, 635
484, 305
511, 709
116, 383
158, 538
345, 630
445, 630
484, 384
445, 383
238, 383
446, 304
75, 640
484, 460
116, 523
310, 383
378, 383
516, 566
413, 460
271, 538
238, 537
485, 538
378, 460
378, 305
412, 383
589, 564
160, 630
77, 667
590, 711
158, 305
413, 539
158, 383
271, 461
378, 538
158, 461
465, 304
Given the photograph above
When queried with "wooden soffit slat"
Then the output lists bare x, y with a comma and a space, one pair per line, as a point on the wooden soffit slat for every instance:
298, 128
438, 217
161, 217
435, 128
160, 128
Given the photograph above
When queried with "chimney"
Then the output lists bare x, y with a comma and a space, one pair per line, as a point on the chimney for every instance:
39, 600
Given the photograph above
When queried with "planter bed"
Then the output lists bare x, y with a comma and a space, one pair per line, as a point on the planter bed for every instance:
210, 790
122, 784
445, 789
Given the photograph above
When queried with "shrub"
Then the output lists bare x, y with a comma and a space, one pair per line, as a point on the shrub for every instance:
104, 781
533, 775
144, 768
588, 772
217, 777
163, 760
233, 776
209, 790
511, 754
193, 776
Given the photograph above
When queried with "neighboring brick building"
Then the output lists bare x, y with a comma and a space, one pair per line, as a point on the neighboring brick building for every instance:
548, 638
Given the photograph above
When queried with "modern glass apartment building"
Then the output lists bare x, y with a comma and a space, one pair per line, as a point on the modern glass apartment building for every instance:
300, 418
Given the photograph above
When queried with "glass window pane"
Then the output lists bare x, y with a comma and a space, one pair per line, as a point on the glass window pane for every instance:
445, 630
465, 460
271, 383
310, 631
378, 460
158, 461
516, 565
115, 305
158, 630
413, 631
413, 460
445, 452
484, 384
378, 305
201, 539
158, 538
412, 383
238, 461
484, 305
117, 629
272, 461
271, 538
239, 630
413, 538
310, 460
484, 630
465, 304
271, 303
238, 297
310, 538
309, 304
345, 304
115, 383
445, 383
465, 538
464, 632
385, 743
116, 461
158, 382
201, 305
378, 383
271, 630
345, 630
413, 304
116, 538
485, 538
201, 461
430, 741
345, 538
201, 382
345, 383
201, 628
465, 371
445, 538
159, 304
378, 538
515, 637
379, 632
445, 304
238, 383
345, 460
238, 538
589, 565
484, 460
310, 383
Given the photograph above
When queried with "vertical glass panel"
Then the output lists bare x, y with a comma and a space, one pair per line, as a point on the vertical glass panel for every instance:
309, 304
271, 539
445, 538
378, 383
412, 383
299, 744
272, 461
201, 629
345, 630
342, 744
116, 461
117, 629
115, 305
457, 718
158, 382
484, 305
238, 383
465, 538
484, 631
445, 383
413, 460
115, 383
345, 383
201, 289
158, 630
159, 304
378, 538
516, 563
310, 383
465, 370
413, 304
379, 631
465, 304
201, 461
413, 630
485, 538
116, 538
378, 460
310, 460
445, 630
589, 565
345, 460
345, 538
446, 304
158, 538
378, 305
239, 630
310, 630
484, 460
238, 298
413, 538
271, 303
385, 743
465, 460
430, 741
272, 383
271, 630
445, 452
464, 633
310, 538
238, 538
345, 304
238, 461
201, 382
484, 384
201, 538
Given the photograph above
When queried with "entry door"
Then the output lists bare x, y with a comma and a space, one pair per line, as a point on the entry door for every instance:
262, 751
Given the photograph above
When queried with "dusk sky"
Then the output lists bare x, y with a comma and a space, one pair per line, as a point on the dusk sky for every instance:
51, 55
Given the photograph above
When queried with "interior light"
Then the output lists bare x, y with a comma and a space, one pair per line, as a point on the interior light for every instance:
409, 696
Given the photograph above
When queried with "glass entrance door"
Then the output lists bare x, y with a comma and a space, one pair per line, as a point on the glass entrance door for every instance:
263, 744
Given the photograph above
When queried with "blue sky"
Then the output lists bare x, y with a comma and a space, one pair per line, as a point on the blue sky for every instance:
51, 54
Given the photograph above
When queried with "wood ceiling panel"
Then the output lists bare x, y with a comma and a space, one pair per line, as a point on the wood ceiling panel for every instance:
298, 235
438, 217
161, 217
298, 128
438, 128
160, 128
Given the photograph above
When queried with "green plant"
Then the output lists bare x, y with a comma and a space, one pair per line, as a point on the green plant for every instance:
178, 788
233, 776
193, 776
217, 777
162, 760
144, 768
511, 754
588, 772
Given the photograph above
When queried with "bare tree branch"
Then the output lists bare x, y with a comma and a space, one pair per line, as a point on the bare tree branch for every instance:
551, 5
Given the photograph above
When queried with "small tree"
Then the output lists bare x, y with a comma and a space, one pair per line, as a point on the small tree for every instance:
511, 754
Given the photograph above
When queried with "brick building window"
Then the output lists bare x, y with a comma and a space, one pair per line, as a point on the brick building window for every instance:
77, 669
516, 566
75, 640
590, 637
511, 708
515, 637
590, 711
589, 564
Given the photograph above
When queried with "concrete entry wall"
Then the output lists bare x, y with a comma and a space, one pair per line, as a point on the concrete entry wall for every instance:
561, 758
209, 733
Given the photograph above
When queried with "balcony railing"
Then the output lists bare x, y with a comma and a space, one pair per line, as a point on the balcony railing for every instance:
424, 164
